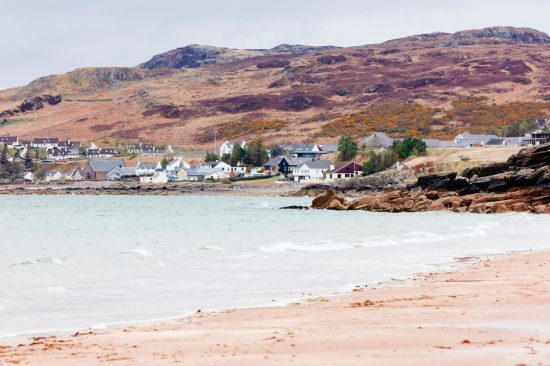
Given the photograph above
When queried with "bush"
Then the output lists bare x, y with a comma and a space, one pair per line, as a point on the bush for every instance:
347, 148
378, 162
408, 147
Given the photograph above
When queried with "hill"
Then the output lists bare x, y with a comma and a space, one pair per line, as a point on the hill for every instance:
427, 85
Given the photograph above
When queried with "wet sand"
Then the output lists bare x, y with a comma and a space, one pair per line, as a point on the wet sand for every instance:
493, 311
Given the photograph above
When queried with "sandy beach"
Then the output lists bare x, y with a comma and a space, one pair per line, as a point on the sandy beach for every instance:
491, 311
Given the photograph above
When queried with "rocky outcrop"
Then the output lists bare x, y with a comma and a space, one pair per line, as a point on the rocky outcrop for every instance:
32, 104
520, 184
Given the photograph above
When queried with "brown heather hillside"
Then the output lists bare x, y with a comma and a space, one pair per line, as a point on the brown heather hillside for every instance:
426, 85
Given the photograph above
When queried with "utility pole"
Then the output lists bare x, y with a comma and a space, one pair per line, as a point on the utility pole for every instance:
215, 141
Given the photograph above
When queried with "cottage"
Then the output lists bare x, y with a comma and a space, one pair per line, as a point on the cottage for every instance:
311, 151
312, 170
238, 169
76, 174
98, 169
227, 147
44, 142
147, 169
344, 170
157, 178
220, 165
273, 164
504, 141
9, 141
175, 165
287, 164
29, 177
52, 176
467, 139
201, 174
121, 173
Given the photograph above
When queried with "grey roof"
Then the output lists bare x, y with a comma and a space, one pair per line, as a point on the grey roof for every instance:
201, 172
106, 166
439, 143
377, 139
143, 165
291, 160
274, 161
318, 164
329, 148
123, 171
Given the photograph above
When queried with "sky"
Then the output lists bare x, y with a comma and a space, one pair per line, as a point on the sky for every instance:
44, 37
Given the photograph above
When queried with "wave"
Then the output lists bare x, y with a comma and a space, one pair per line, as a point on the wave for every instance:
45, 260
145, 254
213, 247
285, 246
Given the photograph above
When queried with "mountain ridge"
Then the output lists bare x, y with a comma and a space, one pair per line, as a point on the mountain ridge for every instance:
177, 96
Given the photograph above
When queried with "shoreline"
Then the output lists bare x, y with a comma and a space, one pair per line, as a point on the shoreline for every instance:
201, 328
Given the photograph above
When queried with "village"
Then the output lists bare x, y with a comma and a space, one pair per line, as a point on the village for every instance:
284, 162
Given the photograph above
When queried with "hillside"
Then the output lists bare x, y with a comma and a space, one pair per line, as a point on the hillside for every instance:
428, 85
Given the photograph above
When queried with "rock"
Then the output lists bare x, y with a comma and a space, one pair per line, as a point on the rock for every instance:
338, 205
485, 170
324, 200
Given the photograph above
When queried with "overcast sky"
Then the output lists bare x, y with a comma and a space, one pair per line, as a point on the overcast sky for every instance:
42, 37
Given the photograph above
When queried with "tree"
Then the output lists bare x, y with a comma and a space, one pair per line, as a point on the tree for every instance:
28, 161
211, 156
277, 150
226, 158
409, 146
255, 153
347, 148
5, 165
378, 162
164, 163
237, 155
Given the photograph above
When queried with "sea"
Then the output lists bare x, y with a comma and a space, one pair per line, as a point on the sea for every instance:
77, 262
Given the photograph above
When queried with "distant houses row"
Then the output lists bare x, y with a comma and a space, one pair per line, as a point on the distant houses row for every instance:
58, 149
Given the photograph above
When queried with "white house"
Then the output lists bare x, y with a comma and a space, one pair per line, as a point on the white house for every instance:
312, 170
9, 141
467, 139
157, 178
119, 173
41, 142
227, 147
201, 174
238, 169
76, 174
345, 170
51, 176
29, 177
224, 167
176, 165
147, 169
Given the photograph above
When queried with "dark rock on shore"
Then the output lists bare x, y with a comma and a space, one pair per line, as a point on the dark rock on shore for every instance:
520, 184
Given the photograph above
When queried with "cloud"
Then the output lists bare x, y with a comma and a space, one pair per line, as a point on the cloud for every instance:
41, 37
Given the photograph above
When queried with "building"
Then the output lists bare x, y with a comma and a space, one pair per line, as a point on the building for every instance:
311, 151
56, 153
467, 139
344, 170
158, 178
147, 169
9, 141
287, 164
98, 169
536, 138
227, 147
122, 173
175, 165
29, 177
76, 174
434, 143
53, 176
220, 165
312, 170
101, 153
201, 174
44, 142
377, 140
504, 142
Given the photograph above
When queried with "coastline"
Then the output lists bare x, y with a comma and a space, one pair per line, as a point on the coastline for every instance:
491, 311
135, 188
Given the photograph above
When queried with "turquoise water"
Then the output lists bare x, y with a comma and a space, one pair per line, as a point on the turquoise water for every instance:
73, 262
